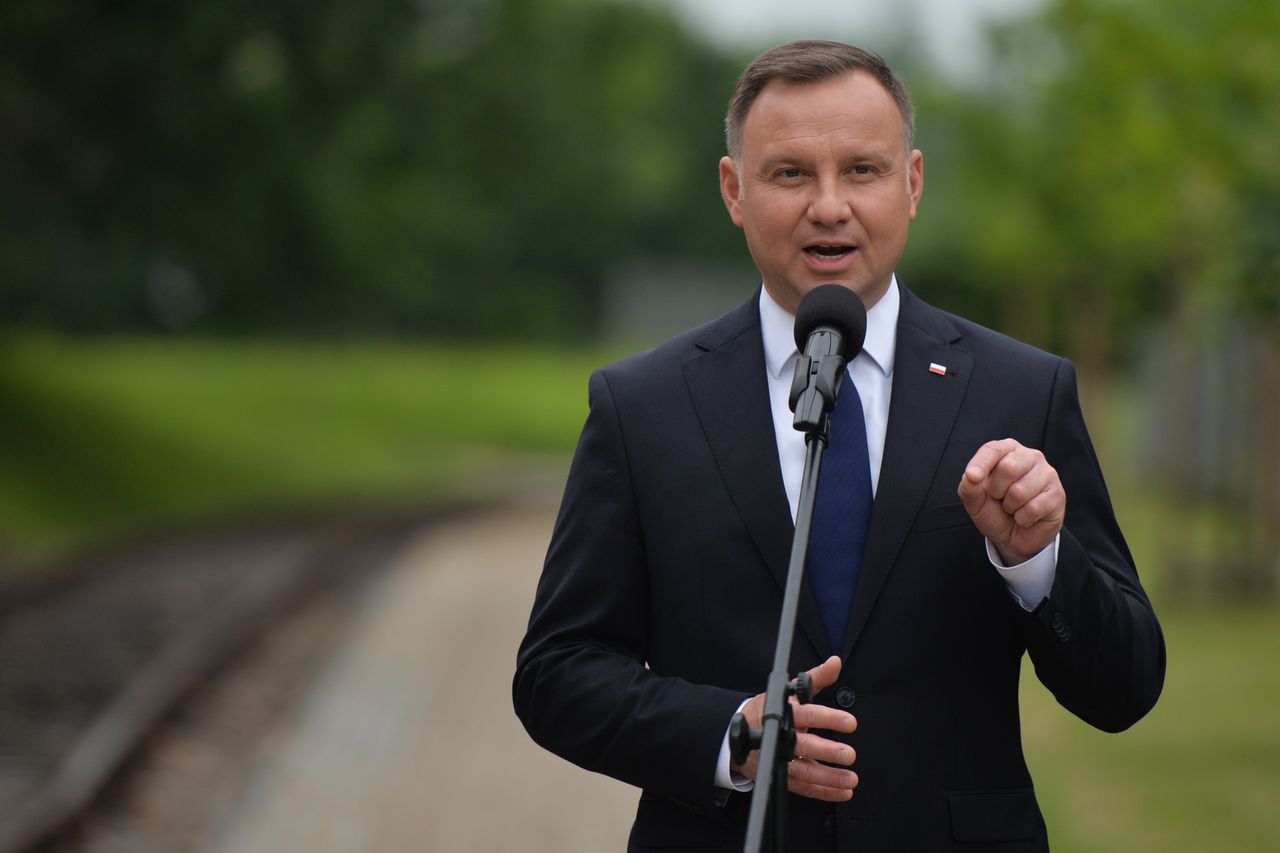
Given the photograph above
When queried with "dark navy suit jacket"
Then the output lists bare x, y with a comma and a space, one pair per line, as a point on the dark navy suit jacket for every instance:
658, 605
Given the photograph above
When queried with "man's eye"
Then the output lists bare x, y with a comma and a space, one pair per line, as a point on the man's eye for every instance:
789, 173
863, 170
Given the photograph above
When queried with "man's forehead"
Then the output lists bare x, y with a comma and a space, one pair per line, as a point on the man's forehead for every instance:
841, 140
839, 110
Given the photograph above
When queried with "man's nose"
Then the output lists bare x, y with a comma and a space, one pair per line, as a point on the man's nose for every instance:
829, 206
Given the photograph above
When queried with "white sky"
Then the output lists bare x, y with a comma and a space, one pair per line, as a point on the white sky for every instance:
950, 30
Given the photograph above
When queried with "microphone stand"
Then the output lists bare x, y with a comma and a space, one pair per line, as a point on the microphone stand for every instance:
817, 380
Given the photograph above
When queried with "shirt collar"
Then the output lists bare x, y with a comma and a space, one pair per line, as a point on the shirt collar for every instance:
777, 327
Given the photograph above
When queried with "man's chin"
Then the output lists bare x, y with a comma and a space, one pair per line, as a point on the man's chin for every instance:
869, 291
844, 281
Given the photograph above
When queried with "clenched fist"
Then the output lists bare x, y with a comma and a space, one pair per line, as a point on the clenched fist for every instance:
1015, 499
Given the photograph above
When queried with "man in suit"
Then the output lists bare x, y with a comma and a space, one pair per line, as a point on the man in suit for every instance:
990, 534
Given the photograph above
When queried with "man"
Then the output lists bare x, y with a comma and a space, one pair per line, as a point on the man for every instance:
991, 533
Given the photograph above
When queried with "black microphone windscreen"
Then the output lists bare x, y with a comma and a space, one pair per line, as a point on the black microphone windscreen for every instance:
836, 306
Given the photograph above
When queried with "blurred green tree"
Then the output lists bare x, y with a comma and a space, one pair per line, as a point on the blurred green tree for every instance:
451, 168
1120, 159
481, 166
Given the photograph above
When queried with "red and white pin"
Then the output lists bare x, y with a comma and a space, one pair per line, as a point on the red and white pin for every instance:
940, 369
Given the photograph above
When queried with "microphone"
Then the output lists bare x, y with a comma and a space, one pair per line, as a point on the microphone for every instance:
831, 324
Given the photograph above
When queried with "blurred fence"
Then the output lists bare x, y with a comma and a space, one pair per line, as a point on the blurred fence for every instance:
1210, 440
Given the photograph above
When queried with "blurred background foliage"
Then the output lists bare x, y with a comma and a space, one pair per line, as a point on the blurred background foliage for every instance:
411, 167
354, 168
270, 255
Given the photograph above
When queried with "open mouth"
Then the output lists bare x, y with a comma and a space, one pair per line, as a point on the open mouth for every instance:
829, 251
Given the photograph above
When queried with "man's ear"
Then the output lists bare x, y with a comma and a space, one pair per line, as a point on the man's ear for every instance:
731, 189
915, 178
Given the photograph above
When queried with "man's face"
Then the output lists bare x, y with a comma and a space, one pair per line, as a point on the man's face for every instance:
824, 187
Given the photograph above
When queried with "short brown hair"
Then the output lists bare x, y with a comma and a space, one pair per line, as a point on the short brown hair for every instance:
810, 61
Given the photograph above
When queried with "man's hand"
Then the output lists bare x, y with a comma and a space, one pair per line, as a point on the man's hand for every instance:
1015, 499
806, 776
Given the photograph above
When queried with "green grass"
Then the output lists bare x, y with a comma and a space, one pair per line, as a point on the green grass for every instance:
1200, 772
110, 436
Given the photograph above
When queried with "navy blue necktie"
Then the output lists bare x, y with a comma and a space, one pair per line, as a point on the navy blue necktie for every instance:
842, 514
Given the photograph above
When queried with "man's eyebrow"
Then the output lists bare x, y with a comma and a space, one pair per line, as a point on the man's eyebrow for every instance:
786, 158
877, 156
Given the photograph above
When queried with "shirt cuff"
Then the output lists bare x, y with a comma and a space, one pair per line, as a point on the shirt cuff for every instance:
1030, 582
725, 777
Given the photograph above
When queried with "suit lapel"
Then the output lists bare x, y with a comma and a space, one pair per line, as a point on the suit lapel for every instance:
731, 396
922, 412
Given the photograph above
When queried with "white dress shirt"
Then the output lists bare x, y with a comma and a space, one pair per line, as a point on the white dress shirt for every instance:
872, 373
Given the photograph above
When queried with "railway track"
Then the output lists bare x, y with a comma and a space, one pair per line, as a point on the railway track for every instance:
92, 664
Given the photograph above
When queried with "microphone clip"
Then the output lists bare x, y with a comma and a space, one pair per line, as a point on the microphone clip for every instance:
815, 383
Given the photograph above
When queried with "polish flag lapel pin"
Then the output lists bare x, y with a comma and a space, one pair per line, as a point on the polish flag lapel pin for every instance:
940, 369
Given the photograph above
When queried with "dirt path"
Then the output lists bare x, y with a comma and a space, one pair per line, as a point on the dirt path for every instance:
407, 740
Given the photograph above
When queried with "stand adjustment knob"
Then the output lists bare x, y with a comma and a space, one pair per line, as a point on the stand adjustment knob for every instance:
803, 688
742, 738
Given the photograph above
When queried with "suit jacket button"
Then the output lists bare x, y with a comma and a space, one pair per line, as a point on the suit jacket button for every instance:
1057, 621
845, 698
829, 825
